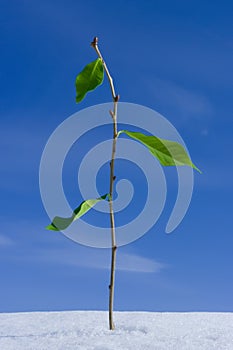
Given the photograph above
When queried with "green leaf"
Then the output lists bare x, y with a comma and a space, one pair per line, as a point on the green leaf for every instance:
59, 223
90, 77
167, 152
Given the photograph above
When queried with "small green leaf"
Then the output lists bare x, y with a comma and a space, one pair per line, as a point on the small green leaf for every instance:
90, 77
59, 223
167, 152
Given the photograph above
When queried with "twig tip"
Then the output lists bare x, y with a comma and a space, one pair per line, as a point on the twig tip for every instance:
94, 42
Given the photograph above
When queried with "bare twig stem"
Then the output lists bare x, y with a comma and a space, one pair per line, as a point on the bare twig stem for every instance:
113, 114
94, 44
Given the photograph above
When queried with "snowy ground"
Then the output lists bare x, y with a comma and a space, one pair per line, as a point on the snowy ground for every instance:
88, 330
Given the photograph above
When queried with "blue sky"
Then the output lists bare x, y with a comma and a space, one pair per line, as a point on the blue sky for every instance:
174, 57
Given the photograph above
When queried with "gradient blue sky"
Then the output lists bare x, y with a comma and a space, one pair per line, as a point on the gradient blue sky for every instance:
174, 57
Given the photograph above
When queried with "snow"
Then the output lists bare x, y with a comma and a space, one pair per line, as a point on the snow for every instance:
88, 330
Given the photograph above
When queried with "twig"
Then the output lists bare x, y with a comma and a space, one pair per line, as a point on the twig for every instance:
113, 114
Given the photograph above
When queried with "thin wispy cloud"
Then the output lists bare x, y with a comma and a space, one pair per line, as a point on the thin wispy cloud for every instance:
187, 103
96, 259
39, 245
5, 241
137, 263
46, 249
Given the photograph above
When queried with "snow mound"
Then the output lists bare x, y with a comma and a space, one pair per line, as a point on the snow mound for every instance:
88, 330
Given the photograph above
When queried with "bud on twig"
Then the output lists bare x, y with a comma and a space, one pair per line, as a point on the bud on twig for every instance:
94, 42
117, 97
111, 113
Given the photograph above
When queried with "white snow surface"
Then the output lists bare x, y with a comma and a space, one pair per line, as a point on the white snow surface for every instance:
88, 330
